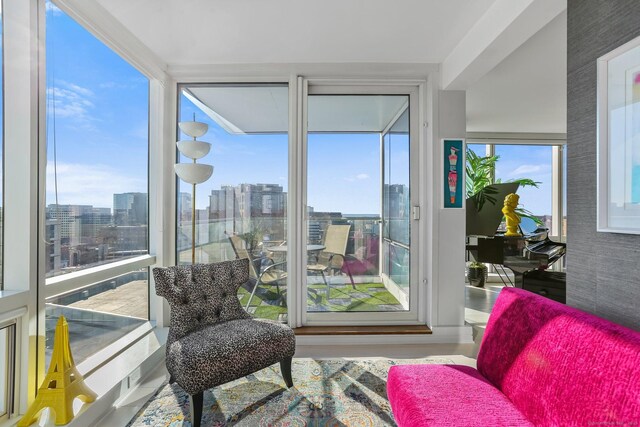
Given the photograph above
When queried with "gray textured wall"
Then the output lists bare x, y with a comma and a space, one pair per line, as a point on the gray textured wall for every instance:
603, 269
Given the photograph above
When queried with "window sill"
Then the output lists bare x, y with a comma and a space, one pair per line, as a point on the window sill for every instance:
58, 285
13, 304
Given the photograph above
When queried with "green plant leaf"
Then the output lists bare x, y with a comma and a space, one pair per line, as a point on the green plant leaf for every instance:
480, 173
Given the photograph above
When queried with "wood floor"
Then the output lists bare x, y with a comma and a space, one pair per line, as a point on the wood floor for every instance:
363, 330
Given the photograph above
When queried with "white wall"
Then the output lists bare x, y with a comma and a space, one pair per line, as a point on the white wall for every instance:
527, 92
451, 222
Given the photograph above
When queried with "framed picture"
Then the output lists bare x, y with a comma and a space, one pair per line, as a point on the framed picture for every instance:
619, 140
453, 161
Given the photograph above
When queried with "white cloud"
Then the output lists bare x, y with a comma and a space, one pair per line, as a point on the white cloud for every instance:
81, 184
50, 7
71, 101
527, 170
82, 91
358, 177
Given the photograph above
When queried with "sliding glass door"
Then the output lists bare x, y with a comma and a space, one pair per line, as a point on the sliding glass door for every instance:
352, 259
359, 197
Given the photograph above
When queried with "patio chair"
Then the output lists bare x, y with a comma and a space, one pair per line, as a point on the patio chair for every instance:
333, 256
212, 340
273, 274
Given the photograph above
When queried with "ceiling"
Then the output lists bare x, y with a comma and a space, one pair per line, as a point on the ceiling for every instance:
509, 56
190, 32
527, 91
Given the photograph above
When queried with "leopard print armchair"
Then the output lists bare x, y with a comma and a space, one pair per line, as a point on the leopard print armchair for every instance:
212, 339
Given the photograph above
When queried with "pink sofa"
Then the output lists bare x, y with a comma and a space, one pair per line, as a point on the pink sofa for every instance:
540, 363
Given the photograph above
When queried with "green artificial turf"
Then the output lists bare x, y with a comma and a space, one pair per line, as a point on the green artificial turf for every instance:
268, 304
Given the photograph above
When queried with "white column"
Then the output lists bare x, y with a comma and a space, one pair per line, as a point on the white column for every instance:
162, 156
22, 270
449, 250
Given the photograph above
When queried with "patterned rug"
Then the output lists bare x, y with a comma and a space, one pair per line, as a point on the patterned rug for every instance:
326, 393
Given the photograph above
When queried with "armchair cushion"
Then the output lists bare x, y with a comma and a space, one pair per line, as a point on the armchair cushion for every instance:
227, 351
202, 294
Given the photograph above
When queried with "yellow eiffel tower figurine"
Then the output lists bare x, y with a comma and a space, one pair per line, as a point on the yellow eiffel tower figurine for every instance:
62, 384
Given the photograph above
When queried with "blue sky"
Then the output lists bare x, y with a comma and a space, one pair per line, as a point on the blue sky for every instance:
101, 117
342, 173
531, 161
101, 129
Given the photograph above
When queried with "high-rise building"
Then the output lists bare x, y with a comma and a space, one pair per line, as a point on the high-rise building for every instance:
222, 202
397, 201
247, 207
130, 208
184, 206
77, 232
67, 216
260, 200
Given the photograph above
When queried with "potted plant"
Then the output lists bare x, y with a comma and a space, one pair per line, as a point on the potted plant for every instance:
477, 273
480, 173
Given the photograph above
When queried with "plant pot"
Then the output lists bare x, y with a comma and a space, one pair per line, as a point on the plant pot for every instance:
477, 274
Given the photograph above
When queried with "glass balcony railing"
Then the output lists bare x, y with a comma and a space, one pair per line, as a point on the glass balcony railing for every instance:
100, 314
362, 262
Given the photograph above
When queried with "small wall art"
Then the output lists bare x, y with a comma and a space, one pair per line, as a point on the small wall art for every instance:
453, 172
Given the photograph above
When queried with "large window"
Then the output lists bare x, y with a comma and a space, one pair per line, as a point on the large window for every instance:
240, 212
539, 163
97, 112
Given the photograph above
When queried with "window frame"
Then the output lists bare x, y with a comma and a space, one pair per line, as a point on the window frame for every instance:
417, 299
56, 285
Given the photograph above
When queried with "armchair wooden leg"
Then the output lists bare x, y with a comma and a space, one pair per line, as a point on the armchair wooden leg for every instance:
285, 369
196, 409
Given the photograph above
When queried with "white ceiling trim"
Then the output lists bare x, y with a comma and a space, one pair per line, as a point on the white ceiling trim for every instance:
505, 26
275, 73
95, 19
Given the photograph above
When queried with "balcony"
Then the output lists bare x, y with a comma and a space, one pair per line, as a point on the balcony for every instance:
377, 285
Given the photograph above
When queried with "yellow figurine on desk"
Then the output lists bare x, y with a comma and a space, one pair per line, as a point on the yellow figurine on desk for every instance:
509, 211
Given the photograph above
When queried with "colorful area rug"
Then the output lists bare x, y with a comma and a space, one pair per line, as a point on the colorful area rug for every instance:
326, 393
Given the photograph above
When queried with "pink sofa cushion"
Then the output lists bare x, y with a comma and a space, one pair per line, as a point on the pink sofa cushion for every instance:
447, 395
559, 365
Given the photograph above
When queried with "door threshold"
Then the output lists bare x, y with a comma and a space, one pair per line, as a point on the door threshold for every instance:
363, 330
